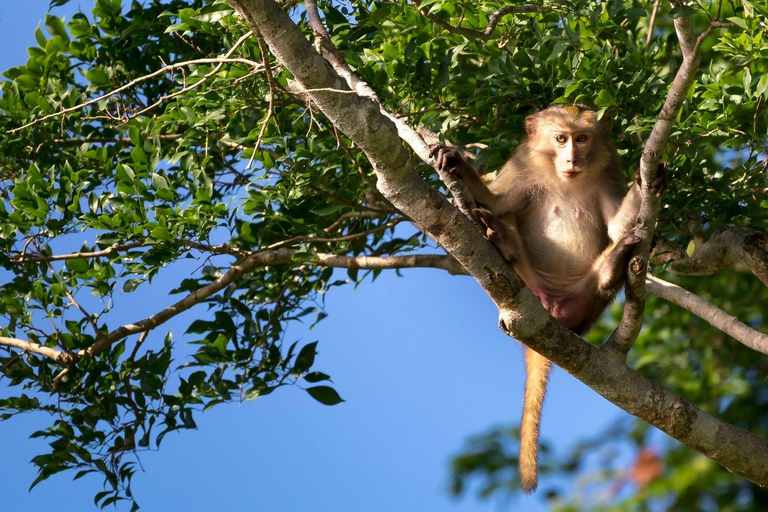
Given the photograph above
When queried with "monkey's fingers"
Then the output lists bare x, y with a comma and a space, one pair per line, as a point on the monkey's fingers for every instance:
661, 182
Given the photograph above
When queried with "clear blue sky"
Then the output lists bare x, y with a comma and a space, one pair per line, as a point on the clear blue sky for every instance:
418, 359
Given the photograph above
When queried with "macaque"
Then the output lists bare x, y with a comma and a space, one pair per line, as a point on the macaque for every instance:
560, 213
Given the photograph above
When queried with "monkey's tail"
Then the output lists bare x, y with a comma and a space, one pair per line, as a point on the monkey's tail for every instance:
537, 370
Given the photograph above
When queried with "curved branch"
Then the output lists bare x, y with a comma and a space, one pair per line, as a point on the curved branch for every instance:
253, 261
521, 313
727, 246
336, 59
493, 19
730, 325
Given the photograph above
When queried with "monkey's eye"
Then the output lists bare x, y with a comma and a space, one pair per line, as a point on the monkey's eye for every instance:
561, 138
582, 138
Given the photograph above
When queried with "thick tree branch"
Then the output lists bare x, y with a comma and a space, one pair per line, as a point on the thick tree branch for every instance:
521, 313
715, 316
622, 339
727, 246
335, 58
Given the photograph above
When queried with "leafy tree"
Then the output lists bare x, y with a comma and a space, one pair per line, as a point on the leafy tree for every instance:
215, 130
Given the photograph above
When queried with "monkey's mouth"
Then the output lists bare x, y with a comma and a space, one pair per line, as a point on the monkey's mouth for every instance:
571, 174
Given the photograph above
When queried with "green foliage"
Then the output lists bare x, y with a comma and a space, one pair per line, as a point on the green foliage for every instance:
138, 141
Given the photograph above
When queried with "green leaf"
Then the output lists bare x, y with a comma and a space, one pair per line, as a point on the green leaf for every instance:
738, 21
306, 358
690, 249
604, 99
55, 26
326, 395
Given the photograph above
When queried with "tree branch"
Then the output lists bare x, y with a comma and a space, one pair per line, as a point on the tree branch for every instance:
727, 246
690, 46
715, 316
133, 83
335, 58
58, 356
493, 19
521, 313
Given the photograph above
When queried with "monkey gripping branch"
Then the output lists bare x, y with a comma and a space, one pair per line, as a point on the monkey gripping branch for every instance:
151, 131
520, 313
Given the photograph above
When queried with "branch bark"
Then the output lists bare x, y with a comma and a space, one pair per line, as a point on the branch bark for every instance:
715, 316
335, 58
729, 245
626, 333
521, 313
27, 346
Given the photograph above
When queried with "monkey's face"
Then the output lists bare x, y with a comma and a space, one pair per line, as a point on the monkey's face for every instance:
571, 138
573, 151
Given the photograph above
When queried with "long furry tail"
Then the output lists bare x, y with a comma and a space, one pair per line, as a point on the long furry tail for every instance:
537, 369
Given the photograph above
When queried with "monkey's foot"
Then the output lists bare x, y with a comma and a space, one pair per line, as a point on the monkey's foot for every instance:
448, 159
660, 182
496, 232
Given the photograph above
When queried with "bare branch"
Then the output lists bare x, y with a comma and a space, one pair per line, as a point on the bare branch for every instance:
115, 248
625, 334
493, 20
521, 313
165, 69
27, 346
710, 313
652, 22
729, 245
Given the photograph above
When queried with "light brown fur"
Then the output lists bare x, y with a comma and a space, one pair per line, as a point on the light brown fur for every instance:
559, 211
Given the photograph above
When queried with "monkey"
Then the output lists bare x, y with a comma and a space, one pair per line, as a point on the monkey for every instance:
560, 213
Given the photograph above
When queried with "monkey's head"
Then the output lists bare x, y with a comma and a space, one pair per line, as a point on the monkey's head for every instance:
571, 141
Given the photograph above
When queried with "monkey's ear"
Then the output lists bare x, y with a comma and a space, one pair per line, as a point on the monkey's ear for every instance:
604, 124
531, 123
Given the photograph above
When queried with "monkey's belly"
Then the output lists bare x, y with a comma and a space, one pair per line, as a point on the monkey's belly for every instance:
562, 246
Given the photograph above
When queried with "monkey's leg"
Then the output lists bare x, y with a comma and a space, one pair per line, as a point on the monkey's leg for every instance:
626, 216
450, 160
611, 265
537, 375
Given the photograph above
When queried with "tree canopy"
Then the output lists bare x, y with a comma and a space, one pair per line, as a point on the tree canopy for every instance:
273, 142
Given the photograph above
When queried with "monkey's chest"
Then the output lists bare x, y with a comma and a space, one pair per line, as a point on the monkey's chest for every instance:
564, 242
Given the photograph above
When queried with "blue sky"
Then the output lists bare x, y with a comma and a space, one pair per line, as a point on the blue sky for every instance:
418, 359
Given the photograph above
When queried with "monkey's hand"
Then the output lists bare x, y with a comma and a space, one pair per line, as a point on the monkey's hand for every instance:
498, 233
449, 160
660, 183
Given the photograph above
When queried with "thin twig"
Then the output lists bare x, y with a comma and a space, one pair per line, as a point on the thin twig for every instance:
493, 20
165, 69
272, 88
651, 23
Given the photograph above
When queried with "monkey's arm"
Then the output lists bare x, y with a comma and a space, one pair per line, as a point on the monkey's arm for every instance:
449, 160
620, 220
